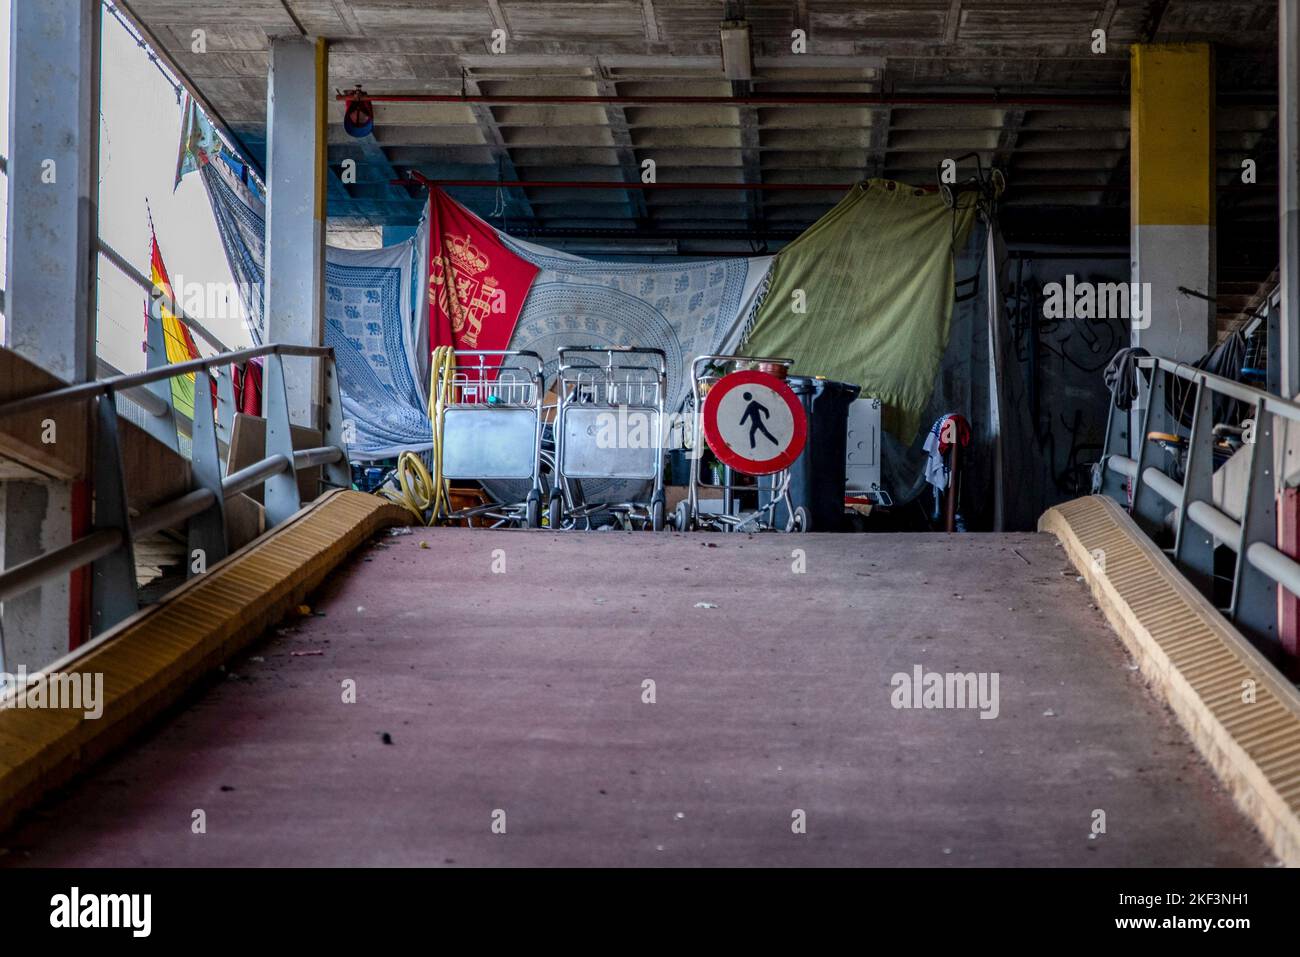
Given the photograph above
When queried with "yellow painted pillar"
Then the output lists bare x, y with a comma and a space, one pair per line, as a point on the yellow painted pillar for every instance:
1172, 198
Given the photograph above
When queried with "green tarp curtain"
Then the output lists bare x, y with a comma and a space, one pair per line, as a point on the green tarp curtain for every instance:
865, 296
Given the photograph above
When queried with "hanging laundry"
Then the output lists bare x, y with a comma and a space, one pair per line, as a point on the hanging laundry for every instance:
948, 430
248, 387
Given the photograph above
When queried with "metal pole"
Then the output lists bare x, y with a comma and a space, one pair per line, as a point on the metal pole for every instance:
1288, 154
1254, 597
113, 590
206, 532
1194, 548
282, 488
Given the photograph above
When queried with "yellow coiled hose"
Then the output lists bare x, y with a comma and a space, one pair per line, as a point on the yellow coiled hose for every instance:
426, 495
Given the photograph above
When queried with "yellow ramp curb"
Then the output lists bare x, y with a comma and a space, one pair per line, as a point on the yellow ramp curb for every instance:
1206, 670
150, 659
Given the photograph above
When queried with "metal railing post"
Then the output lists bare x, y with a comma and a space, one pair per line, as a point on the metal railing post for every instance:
113, 582
337, 474
1148, 506
1193, 546
1254, 595
1109, 482
109, 547
281, 495
225, 376
206, 532
1273, 374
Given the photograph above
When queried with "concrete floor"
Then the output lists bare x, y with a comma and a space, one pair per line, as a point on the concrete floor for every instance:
522, 691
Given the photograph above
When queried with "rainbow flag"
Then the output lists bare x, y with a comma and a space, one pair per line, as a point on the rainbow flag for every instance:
176, 335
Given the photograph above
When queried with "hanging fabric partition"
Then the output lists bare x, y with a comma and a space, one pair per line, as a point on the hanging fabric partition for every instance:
865, 296
476, 285
873, 280
371, 319
686, 309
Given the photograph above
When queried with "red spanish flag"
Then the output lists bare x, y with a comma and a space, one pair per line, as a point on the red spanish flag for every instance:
176, 335
476, 285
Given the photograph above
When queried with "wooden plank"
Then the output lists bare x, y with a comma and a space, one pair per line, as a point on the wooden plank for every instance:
24, 437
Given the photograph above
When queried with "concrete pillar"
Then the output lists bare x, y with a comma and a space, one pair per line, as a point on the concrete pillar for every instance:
1289, 193
1287, 342
1172, 196
295, 213
50, 299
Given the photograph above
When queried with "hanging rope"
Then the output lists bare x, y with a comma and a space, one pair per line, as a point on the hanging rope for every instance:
440, 396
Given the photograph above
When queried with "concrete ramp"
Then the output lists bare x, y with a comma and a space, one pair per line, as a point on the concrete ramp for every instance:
501, 682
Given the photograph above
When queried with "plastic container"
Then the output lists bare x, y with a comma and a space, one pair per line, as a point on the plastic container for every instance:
817, 475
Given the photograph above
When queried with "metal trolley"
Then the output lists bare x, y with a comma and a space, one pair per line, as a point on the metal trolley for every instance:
492, 429
609, 425
706, 372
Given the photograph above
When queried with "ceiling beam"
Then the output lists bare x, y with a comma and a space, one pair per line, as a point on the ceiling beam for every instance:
487, 124
616, 121
953, 22
651, 22
1106, 15
1009, 136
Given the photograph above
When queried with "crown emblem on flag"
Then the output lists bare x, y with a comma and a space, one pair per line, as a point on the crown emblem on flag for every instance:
465, 255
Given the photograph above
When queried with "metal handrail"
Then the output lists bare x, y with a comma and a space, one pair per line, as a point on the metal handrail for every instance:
111, 542
1154, 495
1226, 387
98, 387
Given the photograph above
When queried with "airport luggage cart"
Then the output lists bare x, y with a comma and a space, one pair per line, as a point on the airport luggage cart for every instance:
609, 396
492, 429
746, 375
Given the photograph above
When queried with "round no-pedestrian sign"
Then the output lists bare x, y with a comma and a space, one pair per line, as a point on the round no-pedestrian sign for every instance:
754, 423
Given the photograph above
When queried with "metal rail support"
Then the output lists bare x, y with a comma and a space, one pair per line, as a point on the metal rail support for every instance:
114, 586
207, 530
1194, 546
1148, 508
282, 488
225, 376
1254, 595
1107, 481
335, 430
1203, 526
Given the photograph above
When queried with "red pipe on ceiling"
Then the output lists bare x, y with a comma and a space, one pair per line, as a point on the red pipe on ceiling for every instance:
785, 99
416, 179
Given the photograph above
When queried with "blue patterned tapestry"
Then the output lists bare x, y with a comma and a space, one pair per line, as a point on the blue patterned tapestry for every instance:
377, 324
686, 309
370, 319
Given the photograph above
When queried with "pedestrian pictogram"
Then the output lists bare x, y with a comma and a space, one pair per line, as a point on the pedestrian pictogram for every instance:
754, 423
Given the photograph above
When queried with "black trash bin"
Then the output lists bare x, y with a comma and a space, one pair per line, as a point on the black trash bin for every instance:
817, 475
